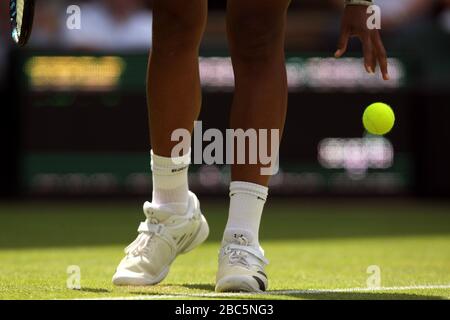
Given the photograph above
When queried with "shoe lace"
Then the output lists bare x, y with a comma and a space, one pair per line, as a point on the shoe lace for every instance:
141, 245
238, 257
239, 250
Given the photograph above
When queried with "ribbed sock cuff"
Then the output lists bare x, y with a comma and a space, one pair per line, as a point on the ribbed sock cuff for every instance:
169, 166
249, 188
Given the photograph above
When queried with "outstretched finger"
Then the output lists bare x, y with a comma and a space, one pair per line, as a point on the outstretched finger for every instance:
374, 61
381, 55
368, 52
342, 43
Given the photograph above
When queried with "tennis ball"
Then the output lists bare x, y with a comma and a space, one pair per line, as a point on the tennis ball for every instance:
378, 118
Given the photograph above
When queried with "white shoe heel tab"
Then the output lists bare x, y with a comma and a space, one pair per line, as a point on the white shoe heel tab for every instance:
146, 208
150, 210
194, 203
160, 212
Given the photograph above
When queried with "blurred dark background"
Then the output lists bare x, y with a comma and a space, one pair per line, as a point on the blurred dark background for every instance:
73, 120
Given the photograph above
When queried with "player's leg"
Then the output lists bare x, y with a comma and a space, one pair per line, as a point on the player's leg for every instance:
256, 31
174, 223
174, 94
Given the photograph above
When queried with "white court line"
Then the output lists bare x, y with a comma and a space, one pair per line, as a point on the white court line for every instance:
276, 292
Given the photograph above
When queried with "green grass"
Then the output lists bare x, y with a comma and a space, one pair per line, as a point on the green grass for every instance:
310, 246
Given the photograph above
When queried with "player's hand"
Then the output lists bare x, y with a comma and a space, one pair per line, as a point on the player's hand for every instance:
354, 24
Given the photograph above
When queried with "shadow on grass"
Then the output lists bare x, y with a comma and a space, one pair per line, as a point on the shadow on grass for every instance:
173, 287
200, 286
94, 290
304, 296
358, 296
297, 294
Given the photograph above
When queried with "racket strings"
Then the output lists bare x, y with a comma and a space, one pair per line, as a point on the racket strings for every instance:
19, 18
13, 11
17, 8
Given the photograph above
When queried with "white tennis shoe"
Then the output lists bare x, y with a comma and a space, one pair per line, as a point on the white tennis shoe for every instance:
241, 264
162, 237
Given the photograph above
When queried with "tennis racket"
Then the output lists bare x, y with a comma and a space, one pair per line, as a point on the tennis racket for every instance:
21, 14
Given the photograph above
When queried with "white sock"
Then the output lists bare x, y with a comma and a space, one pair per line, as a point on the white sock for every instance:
170, 182
246, 205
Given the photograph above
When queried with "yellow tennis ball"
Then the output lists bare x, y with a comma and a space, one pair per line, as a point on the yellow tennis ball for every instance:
378, 118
